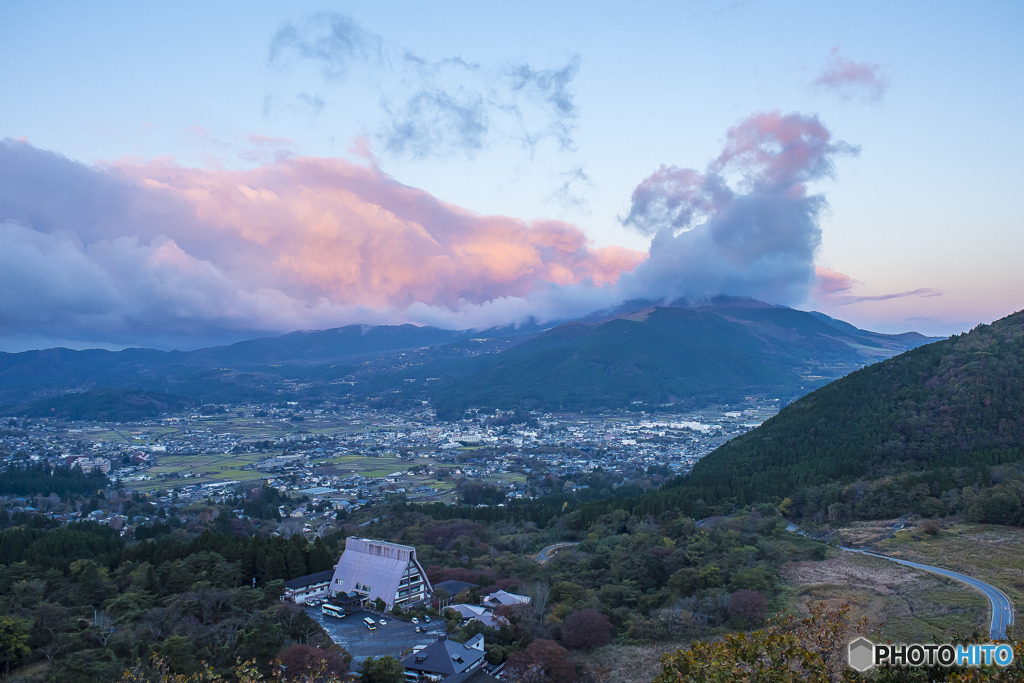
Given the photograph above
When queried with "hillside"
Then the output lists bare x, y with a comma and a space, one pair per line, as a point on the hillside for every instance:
653, 355
914, 431
668, 355
102, 404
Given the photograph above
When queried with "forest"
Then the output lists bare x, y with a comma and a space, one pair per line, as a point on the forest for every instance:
935, 430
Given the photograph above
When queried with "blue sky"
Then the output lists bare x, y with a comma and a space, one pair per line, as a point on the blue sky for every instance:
539, 112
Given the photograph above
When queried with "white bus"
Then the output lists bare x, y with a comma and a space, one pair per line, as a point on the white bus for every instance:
370, 623
332, 610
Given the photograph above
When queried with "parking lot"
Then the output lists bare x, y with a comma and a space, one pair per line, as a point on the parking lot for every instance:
393, 639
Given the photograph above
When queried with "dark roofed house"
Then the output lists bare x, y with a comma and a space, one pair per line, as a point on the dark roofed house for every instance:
453, 588
446, 657
306, 588
474, 676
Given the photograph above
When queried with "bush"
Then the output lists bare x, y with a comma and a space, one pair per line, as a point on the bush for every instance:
586, 629
312, 665
748, 607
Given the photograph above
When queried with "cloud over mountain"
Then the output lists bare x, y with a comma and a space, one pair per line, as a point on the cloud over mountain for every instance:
747, 225
151, 250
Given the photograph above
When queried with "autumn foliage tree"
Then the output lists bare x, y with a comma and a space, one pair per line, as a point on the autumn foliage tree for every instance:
749, 608
586, 629
545, 661
312, 664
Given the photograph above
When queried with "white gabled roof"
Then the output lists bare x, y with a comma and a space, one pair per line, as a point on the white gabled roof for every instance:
377, 564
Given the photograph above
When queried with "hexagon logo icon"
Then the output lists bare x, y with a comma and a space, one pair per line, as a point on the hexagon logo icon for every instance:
861, 654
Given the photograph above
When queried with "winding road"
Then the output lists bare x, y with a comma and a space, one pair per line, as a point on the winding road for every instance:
1002, 609
545, 554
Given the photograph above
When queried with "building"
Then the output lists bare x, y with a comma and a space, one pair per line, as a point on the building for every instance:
499, 598
444, 658
306, 588
376, 569
474, 612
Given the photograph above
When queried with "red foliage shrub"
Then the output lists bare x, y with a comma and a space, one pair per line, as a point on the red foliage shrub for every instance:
749, 607
586, 629
311, 664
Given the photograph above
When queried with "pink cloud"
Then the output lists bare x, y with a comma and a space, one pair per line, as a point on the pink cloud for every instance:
851, 79
327, 227
834, 288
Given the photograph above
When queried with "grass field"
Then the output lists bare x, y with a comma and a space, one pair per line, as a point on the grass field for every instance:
214, 466
901, 604
994, 554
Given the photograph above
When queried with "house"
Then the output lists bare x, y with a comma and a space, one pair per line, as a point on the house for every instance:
473, 612
475, 676
453, 588
500, 598
377, 569
444, 657
306, 588
451, 591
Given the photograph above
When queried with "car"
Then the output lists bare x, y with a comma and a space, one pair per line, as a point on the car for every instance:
419, 630
426, 619
415, 620
382, 622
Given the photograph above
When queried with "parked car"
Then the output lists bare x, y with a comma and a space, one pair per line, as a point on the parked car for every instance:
415, 621
419, 629
426, 618
382, 622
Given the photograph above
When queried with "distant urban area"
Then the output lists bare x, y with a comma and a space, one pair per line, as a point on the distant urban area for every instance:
332, 460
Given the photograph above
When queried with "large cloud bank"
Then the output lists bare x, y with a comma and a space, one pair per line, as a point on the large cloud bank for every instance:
154, 253
161, 254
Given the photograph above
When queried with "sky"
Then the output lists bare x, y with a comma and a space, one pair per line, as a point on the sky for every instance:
182, 174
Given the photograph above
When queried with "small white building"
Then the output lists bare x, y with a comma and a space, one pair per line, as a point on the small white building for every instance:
306, 588
500, 598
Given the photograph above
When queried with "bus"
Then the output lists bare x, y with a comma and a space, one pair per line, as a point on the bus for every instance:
370, 623
332, 610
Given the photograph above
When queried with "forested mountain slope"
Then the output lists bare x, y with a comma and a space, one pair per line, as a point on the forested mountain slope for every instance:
922, 431
669, 355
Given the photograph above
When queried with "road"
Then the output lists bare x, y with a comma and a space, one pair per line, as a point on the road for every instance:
545, 554
1002, 610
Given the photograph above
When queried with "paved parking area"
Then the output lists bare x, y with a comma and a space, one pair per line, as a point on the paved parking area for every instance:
361, 642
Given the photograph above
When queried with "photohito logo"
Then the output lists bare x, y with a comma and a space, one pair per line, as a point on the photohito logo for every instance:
862, 654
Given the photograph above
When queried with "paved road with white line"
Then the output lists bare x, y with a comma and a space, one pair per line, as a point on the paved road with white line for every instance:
544, 555
1002, 610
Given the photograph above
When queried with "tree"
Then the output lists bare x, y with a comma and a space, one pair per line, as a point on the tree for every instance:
543, 661
384, 669
748, 607
586, 629
313, 665
380, 605
813, 649
13, 642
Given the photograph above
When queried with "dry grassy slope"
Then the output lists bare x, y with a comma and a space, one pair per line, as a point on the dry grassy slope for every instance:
992, 553
901, 604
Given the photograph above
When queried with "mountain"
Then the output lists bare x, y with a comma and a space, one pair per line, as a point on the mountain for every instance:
656, 356
663, 355
104, 404
935, 430
248, 371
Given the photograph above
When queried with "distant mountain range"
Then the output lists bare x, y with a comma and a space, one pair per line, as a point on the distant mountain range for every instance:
648, 354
